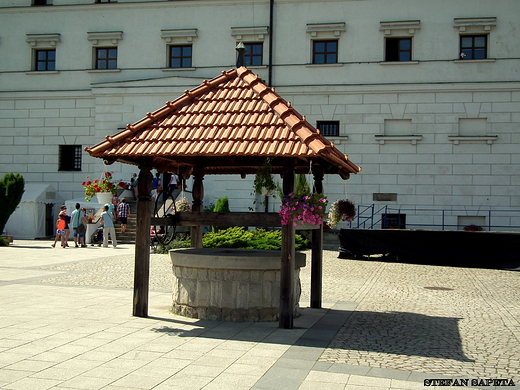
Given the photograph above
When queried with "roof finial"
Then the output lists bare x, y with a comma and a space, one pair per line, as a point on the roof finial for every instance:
241, 50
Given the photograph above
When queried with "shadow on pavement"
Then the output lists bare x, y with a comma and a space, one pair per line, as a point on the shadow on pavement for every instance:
396, 333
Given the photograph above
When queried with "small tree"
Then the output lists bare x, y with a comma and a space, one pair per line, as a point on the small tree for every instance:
11, 190
222, 206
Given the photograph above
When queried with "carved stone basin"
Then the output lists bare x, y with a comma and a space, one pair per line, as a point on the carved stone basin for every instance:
230, 284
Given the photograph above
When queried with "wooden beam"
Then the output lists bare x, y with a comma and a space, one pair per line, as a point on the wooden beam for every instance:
198, 195
208, 218
287, 261
317, 247
142, 243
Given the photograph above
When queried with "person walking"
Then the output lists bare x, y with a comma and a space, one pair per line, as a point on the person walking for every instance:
108, 227
173, 183
60, 231
123, 212
63, 211
156, 184
78, 228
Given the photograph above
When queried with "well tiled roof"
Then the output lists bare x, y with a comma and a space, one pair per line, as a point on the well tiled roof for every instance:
233, 115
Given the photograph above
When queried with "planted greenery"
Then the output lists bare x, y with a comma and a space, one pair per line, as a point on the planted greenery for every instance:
264, 184
12, 187
222, 206
240, 238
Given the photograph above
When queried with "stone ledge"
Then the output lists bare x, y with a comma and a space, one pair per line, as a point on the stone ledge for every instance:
221, 258
226, 314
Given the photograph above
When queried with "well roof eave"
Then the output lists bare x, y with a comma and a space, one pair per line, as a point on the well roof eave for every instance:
318, 148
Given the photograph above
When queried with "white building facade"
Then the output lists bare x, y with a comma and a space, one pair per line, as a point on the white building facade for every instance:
423, 95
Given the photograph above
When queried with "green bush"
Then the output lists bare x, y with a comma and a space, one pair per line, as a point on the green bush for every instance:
12, 187
175, 244
4, 241
233, 237
222, 206
238, 237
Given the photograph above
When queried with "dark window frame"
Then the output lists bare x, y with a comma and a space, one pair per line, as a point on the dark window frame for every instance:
44, 64
326, 54
328, 128
252, 58
395, 52
183, 59
38, 3
393, 221
468, 52
69, 158
106, 61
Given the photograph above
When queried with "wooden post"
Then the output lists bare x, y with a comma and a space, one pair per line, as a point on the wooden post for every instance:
198, 195
317, 248
142, 243
287, 262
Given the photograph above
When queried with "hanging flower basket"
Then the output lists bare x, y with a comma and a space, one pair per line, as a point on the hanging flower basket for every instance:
264, 184
103, 185
183, 204
341, 210
303, 208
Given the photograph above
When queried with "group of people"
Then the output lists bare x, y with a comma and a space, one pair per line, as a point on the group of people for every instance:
157, 186
78, 221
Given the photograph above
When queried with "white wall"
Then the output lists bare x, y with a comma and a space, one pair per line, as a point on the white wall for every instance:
75, 105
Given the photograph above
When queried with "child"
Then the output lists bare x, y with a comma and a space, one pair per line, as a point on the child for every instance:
60, 231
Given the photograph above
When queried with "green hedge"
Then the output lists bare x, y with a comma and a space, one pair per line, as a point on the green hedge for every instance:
238, 237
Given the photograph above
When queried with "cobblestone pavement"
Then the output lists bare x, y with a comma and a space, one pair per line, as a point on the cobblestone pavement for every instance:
405, 319
432, 319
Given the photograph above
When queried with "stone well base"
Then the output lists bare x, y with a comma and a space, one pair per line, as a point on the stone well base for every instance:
230, 284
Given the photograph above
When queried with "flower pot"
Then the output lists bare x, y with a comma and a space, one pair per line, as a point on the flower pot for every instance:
104, 197
266, 192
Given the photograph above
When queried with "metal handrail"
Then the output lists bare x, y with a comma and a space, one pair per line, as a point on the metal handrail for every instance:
368, 217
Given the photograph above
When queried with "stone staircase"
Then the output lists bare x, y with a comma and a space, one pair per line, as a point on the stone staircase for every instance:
129, 236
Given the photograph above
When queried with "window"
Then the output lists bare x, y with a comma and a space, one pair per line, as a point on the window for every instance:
328, 128
393, 221
70, 158
45, 60
253, 54
104, 49
180, 56
43, 51
325, 52
398, 49
473, 37
42, 2
252, 38
398, 39
106, 58
106, 1
473, 47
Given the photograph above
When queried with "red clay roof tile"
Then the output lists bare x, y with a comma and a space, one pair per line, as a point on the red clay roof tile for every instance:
233, 114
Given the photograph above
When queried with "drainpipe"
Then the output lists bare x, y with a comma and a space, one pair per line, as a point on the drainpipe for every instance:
271, 22
270, 66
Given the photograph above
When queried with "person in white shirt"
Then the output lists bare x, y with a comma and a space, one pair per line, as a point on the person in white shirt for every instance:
108, 227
